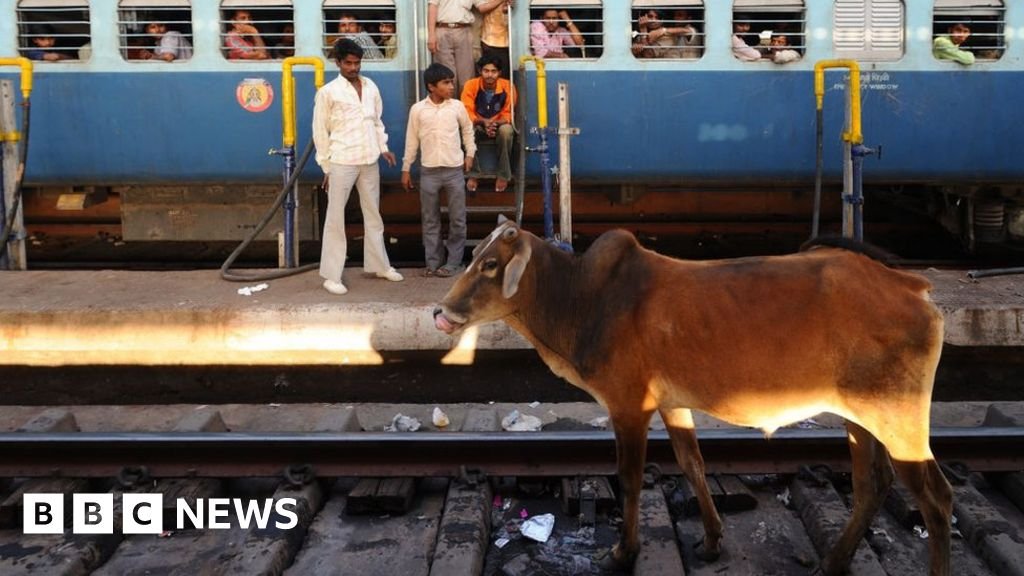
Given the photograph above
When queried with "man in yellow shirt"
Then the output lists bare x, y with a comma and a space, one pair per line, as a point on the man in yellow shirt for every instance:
948, 47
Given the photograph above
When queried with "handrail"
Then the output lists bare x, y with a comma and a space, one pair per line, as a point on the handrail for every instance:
542, 89
853, 134
26, 73
288, 92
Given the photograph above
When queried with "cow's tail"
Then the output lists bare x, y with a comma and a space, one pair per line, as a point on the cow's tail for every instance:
869, 250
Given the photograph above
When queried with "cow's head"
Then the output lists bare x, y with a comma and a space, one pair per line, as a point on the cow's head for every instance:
486, 290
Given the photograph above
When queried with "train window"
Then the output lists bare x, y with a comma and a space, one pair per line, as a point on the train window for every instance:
869, 30
769, 30
982, 20
666, 29
54, 30
370, 23
257, 29
155, 30
566, 29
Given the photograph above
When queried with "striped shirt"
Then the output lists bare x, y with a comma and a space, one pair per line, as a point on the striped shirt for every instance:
346, 130
436, 128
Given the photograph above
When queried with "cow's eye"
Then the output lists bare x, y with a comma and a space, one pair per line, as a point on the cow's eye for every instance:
489, 264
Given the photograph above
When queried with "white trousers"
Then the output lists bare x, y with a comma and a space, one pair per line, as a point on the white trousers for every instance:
366, 179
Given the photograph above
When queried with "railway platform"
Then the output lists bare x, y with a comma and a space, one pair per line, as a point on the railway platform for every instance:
67, 318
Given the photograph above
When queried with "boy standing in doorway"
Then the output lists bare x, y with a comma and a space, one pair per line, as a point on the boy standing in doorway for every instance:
436, 124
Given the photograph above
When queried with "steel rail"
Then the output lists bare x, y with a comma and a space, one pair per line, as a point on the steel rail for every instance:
239, 454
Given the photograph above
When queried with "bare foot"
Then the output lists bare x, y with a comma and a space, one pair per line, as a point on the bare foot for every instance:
471, 184
500, 185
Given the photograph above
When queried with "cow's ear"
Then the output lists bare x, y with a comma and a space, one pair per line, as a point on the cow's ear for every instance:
510, 234
515, 268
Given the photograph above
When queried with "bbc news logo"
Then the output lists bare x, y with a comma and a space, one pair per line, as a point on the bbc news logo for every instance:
144, 513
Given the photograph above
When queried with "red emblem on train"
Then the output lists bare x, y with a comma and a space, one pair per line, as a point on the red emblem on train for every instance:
254, 94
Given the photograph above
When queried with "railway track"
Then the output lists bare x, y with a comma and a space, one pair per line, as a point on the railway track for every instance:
458, 500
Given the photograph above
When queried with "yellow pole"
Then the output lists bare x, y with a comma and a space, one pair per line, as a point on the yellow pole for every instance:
853, 134
26, 73
288, 92
542, 89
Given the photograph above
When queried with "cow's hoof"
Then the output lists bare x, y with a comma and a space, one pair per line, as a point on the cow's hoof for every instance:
617, 560
706, 553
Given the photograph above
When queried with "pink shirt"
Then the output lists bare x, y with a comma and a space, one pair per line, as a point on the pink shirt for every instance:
544, 43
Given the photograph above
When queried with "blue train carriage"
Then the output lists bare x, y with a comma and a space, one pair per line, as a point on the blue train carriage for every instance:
182, 143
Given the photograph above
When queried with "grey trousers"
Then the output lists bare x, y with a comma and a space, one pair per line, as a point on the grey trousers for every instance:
333, 252
432, 182
455, 50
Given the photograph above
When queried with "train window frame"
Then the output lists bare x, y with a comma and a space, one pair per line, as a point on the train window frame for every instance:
369, 14
850, 31
643, 50
72, 36
770, 20
588, 15
269, 17
134, 16
985, 18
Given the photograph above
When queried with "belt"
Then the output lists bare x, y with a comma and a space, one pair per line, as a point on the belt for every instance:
453, 24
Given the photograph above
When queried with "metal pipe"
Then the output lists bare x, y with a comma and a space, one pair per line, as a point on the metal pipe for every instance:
542, 149
26, 73
853, 134
291, 247
852, 138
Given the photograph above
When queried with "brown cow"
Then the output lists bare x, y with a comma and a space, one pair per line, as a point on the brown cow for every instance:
758, 342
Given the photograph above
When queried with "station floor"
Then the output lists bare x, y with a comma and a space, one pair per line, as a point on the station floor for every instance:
58, 318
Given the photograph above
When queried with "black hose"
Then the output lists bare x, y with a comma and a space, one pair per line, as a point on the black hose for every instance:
225, 272
819, 168
22, 157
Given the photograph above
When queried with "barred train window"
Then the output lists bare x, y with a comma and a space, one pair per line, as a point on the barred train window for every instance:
155, 30
566, 28
868, 30
768, 30
985, 19
668, 29
370, 23
54, 30
257, 29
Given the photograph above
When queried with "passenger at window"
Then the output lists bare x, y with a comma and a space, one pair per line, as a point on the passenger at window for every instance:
43, 43
388, 40
740, 48
349, 27
489, 99
549, 40
780, 51
243, 41
171, 45
658, 40
494, 34
948, 47
285, 46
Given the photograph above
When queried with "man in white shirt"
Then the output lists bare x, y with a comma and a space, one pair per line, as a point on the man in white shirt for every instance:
349, 138
436, 125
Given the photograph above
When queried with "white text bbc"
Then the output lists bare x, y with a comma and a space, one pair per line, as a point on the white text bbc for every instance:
143, 513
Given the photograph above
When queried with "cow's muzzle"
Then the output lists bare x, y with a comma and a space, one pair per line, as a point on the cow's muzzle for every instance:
445, 324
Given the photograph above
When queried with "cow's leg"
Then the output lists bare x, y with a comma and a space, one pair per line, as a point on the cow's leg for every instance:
631, 451
683, 434
872, 477
935, 499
